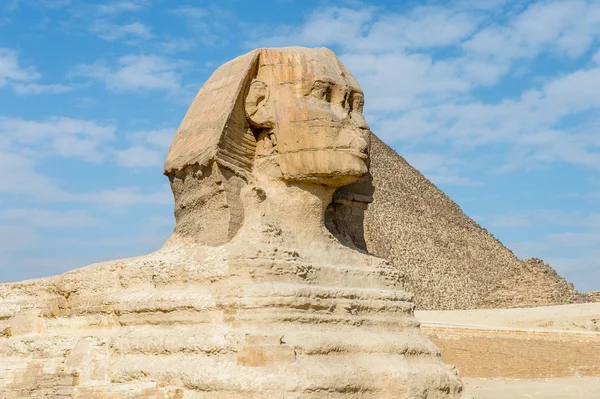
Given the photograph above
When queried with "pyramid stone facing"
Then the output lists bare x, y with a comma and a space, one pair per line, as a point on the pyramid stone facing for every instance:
449, 261
251, 297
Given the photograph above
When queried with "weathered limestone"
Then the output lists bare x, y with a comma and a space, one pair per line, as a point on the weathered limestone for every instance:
252, 297
450, 262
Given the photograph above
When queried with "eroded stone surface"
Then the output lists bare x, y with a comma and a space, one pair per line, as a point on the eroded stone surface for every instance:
252, 297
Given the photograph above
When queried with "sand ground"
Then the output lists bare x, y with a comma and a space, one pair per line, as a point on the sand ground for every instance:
555, 388
569, 318
576, 317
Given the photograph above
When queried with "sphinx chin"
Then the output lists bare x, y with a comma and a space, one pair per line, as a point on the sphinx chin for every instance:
330, 167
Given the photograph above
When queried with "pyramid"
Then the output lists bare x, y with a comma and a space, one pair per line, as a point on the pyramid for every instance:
449, 261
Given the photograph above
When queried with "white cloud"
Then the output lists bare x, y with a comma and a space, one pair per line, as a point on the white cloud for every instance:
439, 168
397, 81
177, 45
136, 73
444, 26
160, 138
119, 7
22, 80
46, 219
596, 58
11, 71
161, 223
549, 217
14, 4
16, 238
509, 221
20, 179
209, 24
57, 136
149, 148
34, 88
574, 254
31, 266
138, 156
567, 28
191, 12
127, 196
527, 249
23, 143
129, 32
415, 97
333, 25
529, 123
575, 241
583, 269
365, 30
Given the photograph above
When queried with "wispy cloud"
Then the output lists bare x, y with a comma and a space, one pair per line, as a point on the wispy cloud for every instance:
418, 98
130, 33
11, 71
440, 168
134, 73
23, 79
126, 196
177, 45
191, 12
149, 148
14, 4
35, 88
15, 238
139, 156
207, 23
57, 136
48, 219
22, 180
118, 7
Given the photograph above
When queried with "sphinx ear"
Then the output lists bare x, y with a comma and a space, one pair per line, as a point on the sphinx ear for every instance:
258, 110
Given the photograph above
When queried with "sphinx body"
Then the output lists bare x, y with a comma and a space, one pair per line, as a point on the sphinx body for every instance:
252, 297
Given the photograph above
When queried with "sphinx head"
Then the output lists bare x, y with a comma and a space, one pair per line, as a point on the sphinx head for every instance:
306, 112
292, 115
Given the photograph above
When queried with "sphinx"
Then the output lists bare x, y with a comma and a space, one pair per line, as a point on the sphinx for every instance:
252, 296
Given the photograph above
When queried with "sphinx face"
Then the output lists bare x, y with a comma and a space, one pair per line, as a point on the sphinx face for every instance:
320, 134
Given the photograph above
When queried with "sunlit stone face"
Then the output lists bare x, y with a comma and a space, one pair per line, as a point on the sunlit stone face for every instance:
320, 134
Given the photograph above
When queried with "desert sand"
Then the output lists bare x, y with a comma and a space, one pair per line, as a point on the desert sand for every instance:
574, 317
555, 388
572, 320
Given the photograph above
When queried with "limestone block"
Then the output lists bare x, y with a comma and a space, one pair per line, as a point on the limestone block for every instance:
27, 322
88, 362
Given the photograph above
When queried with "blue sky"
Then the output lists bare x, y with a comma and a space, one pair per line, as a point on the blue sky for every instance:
497, 102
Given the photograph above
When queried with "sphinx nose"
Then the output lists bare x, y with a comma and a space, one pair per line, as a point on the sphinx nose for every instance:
345, 115
356, 140
358, 120
340, 112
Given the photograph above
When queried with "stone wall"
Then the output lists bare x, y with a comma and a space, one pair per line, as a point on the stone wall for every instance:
488, 352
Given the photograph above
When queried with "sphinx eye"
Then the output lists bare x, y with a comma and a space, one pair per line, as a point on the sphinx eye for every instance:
357, 102
321, 91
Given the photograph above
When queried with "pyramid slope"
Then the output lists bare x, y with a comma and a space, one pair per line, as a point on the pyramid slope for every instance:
450, 261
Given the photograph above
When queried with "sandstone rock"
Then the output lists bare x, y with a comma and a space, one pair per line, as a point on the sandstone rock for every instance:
252, 297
